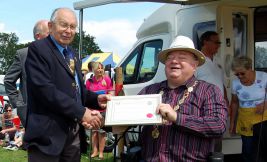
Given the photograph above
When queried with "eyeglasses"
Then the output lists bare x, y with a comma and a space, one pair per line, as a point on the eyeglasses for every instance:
216, 42
8, 110
65, 25
239, 74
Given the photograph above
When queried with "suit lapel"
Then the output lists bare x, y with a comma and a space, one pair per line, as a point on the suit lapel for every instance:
59, 56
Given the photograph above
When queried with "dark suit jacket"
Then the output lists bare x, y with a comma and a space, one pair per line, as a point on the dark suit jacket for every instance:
18, 99
52, 105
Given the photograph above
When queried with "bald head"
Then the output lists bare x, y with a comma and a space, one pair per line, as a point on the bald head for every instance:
40, 29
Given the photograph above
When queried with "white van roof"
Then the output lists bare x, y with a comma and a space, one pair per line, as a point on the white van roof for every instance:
92, 3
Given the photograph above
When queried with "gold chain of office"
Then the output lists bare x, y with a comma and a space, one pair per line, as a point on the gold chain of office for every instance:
155, 132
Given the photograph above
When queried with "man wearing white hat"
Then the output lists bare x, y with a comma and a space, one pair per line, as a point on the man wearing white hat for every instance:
194, 111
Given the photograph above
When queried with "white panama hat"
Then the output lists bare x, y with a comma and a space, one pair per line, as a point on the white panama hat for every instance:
182, 43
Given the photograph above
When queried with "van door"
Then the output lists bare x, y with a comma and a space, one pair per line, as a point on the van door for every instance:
141, 66
235, 27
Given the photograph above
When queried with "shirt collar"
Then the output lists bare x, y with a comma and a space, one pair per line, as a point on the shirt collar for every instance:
60, 48
188, 83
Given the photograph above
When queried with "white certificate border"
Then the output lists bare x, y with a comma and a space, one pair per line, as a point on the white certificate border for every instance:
109, 120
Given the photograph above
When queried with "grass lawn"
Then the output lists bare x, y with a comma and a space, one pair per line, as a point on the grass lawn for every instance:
21, 156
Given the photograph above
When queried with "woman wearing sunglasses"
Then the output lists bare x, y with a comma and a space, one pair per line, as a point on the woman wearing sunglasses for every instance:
247, 104
7, 125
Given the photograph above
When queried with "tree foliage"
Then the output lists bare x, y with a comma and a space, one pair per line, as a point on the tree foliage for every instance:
9, 45
89, 45
261, 57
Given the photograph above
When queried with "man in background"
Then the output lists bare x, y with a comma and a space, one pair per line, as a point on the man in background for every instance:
210, 71
16, 71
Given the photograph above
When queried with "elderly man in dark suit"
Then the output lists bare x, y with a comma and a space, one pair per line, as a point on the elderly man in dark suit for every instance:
18, 99
56, 95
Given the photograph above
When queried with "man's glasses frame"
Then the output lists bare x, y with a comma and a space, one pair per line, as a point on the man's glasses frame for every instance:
240, 74
216, 42
65, 25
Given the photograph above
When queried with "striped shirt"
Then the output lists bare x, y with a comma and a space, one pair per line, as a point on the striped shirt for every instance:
200, 120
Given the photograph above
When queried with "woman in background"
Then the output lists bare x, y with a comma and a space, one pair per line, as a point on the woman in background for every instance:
7, 125
101, 84
247, 104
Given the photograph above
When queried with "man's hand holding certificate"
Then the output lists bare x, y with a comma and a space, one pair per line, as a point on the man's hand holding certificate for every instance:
133, 110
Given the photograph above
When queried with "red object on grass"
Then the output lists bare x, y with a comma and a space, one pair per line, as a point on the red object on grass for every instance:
16, 122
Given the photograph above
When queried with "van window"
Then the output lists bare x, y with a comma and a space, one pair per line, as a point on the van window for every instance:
142, 64
260, 56
199, 29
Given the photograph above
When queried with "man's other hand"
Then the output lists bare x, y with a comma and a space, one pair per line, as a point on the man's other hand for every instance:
103, 99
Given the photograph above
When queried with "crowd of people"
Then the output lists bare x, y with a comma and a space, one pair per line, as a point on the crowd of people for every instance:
57, 101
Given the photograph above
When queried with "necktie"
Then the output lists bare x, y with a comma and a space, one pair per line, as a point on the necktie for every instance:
67, 56
69, 60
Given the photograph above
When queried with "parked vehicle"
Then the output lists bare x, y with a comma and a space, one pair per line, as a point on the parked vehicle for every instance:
242, 27
3, 97
3, 93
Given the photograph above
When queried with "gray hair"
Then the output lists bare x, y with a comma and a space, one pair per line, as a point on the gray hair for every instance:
39, 28
54, 13
242, 62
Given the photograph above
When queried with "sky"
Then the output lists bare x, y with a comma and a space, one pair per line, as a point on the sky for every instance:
114, 26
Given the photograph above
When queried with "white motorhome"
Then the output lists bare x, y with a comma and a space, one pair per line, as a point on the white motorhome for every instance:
242, 27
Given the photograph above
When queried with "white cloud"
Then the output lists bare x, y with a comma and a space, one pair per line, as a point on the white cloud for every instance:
2, 27
117, 35
18, 34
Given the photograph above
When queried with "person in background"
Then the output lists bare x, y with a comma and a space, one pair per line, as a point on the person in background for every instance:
90, 73
7, 125
15, 144
248, 103
84, 72
16, 71
57, 98
99, 83
210, 71
194, 111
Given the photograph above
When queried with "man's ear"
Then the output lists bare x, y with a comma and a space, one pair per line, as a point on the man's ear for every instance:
37, 36
50, 24
195, 65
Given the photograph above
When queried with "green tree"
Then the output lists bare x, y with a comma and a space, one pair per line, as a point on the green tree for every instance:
260, 57
89, 45
8, 47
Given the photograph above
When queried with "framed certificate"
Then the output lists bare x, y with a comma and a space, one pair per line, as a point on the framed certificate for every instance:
133, 110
